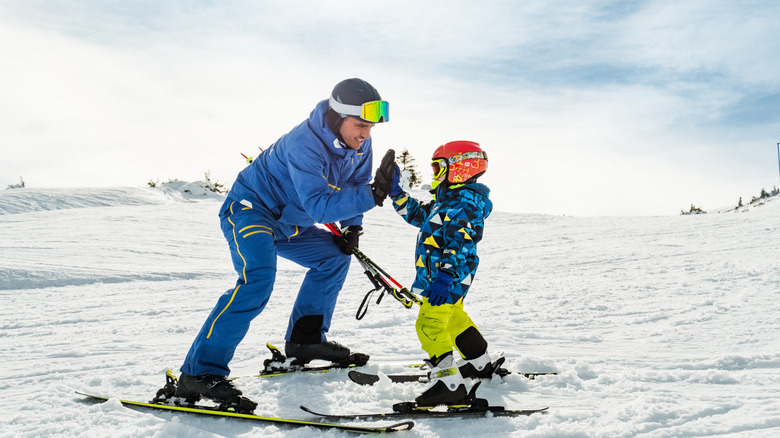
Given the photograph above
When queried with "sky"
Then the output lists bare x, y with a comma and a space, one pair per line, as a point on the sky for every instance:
593, 108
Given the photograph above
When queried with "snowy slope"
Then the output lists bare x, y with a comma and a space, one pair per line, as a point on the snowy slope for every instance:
657, 326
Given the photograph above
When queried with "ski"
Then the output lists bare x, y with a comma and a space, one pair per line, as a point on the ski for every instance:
279, 365
484, 411
369, 379
214, 412
472, 407
240, 408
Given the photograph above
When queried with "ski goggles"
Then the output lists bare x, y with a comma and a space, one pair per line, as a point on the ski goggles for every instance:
439, 167
375, 111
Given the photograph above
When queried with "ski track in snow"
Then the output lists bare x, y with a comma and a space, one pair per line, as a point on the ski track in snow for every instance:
658, 326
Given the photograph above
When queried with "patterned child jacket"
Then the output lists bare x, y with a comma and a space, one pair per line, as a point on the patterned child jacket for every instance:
450, 228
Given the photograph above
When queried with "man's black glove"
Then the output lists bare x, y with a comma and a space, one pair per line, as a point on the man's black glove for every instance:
383, 179
348, 241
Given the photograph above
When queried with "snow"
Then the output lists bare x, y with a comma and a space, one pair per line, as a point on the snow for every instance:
657, 326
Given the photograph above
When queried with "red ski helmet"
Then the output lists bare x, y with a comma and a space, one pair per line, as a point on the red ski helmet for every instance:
461, 160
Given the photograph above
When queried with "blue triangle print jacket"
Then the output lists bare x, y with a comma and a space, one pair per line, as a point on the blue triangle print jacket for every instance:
450, 227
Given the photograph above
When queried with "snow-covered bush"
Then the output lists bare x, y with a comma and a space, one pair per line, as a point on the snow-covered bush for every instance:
694, 210
17, 186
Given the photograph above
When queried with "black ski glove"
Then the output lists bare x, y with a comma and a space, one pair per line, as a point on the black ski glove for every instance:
383, 179
348, 241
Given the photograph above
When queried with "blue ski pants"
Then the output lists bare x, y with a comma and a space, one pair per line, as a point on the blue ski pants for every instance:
255, 242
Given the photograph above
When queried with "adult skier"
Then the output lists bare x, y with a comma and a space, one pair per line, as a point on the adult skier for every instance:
319, 172
446, 261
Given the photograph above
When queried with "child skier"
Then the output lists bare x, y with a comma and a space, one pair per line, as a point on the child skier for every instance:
446, 260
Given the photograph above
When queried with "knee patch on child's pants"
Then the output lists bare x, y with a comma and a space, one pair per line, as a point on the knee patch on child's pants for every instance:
470, 343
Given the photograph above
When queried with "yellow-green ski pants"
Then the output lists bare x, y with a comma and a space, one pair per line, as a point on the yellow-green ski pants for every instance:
439, 326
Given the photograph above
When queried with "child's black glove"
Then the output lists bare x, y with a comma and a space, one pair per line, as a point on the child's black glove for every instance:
348, 240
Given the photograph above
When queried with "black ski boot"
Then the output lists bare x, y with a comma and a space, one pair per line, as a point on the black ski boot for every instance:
216, 388
446, 385
331, 351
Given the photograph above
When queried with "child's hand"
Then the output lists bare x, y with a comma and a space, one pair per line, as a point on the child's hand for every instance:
383, 178
439, 290
395, 186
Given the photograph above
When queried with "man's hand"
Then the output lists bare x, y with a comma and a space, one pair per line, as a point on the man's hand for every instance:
383, 179
439, 290
348, 241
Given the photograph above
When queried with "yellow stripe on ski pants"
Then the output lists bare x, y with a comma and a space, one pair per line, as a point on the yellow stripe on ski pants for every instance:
439, 326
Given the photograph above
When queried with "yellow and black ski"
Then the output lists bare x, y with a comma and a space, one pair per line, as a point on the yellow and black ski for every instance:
369, 379
483, 411
213, 412
472, 406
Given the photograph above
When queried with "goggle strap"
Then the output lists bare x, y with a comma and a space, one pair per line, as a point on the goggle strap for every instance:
343, 108
466, 156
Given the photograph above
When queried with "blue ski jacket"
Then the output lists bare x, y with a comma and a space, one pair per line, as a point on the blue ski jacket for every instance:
450, 227
308, 177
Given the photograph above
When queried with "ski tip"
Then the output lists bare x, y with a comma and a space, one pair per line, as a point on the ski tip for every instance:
398, 427
305, 409
362, 378
533, 376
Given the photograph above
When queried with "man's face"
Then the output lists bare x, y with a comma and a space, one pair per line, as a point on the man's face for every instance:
355, 131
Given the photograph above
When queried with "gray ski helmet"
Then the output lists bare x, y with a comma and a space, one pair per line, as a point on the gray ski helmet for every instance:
350, 94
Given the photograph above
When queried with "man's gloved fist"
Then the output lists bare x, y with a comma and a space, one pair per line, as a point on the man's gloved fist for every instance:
383, 178
439, 290
348, 241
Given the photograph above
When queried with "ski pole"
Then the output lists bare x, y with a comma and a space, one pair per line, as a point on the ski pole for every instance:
250, 159
359, 254
377, 277
402, 294
372, 271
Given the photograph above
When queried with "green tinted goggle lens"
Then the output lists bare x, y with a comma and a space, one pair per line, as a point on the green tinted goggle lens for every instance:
376, 111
